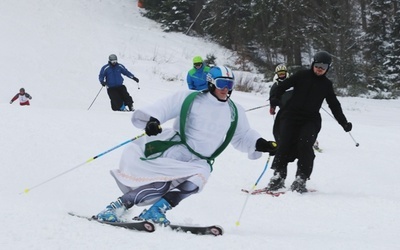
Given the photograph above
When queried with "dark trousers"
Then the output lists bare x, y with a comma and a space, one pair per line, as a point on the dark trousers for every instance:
119, 96
277, 135
296, 138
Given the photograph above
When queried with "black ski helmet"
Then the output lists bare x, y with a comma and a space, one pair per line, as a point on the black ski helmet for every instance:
322, 57
22, 90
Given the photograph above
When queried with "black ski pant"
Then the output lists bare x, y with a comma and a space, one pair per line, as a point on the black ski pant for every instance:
276, 133
299, 135
119, 96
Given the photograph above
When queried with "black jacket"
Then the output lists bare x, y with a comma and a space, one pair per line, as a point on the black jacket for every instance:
284, 98
309, 92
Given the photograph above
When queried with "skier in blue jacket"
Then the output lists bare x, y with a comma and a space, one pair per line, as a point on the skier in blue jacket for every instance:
197, 76
111, 76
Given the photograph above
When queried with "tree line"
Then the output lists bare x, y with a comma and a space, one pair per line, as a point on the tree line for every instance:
363, 36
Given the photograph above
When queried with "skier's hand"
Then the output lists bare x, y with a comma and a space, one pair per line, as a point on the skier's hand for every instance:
135, 79
347, 126
103, 83
153, 127
11, 102
263, 145
272, 110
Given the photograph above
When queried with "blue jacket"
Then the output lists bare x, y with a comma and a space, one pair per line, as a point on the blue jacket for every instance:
112, 74
197, 78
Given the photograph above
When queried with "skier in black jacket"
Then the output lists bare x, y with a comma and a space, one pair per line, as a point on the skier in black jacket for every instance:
300, 120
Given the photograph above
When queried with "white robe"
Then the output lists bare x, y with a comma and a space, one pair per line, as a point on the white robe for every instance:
207, 124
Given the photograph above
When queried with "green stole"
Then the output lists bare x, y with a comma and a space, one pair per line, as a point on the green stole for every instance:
154, 147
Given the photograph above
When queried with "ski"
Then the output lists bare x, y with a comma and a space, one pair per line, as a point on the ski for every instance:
199, 230
143, 226
272, 193
146, 226
264, 191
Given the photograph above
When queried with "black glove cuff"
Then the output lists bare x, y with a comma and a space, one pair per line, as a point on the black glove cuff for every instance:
152, 119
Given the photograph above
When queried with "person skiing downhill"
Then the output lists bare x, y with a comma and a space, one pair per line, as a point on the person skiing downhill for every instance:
23, 98
197, 76
170, 165
300, 121
281, 73
111, 76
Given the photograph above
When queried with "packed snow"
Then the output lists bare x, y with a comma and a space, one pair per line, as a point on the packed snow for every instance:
55, 49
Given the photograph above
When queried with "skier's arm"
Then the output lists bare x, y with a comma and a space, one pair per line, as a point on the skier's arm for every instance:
14, 98
336, 108
102, 75
245, 138
126, 72
163, 110
189, 81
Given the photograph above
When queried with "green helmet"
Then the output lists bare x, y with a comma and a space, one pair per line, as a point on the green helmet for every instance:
197, 59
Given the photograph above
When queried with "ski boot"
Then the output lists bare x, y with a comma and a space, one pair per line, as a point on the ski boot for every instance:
156, 213
299, 185
275, 183
112, 211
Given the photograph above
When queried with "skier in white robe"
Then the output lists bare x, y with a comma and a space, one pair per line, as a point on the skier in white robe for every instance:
169, 165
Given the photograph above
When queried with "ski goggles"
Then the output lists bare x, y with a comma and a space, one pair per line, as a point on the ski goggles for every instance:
323, 66
113, 61
221, 83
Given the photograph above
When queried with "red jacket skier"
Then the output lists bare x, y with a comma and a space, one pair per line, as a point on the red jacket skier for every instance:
23, 98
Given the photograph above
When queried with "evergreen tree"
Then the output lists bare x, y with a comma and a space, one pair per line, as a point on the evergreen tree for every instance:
362, 35
347, 69
227, 24
172, 14
394, 55
376, 49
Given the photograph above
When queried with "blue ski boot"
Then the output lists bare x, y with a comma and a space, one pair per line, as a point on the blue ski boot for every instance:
112, 211
156, 213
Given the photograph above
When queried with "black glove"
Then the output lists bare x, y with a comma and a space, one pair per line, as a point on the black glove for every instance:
135, 79
347, 126
273, 102
103, 83
153, 127
263, 145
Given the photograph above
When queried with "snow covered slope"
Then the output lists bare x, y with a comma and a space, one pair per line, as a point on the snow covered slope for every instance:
55, 50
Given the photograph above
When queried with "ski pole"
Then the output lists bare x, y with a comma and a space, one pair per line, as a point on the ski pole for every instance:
357, 144
95, 97
262, 106
252, 189
89, 160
